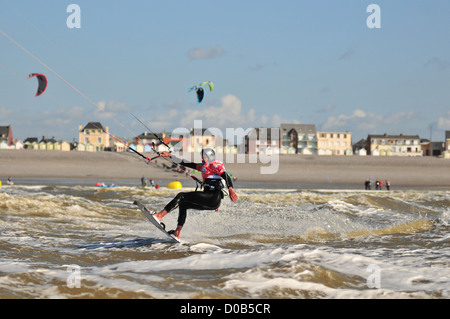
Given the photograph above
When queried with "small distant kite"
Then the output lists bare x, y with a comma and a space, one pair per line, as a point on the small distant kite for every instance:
42, 82
200, 91
210, 84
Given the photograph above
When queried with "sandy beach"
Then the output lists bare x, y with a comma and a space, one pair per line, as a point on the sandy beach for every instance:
295, 170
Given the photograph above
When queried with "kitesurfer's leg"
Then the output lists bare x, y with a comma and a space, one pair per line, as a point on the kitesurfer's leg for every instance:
190, 200
176, 232
161, 214
174, 203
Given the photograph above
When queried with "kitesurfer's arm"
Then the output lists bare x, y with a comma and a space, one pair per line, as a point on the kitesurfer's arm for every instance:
233, 195
179, 160
224, 175
227, 178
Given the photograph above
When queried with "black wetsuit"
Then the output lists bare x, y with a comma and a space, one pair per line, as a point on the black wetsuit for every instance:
208, 199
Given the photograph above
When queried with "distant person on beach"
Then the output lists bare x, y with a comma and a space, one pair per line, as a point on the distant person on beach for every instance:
377, 184
213, 171
388, 185
143, 181
381, 184
10, 181
367, 184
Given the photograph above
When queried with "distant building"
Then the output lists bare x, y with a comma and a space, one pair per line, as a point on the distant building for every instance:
119, 144
393, 145
6, 135
447, 144
47, 144
298, 139
360, 147
432, 148
31, 140
200, 139
262, 141
31, 143
18, 145
146, 140
62, 146
94, 137
334, 143
447, 141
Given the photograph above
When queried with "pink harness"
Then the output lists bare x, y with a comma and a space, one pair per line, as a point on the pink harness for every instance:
211, 170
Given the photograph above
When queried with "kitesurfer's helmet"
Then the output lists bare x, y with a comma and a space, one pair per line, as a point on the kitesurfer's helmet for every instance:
209, 152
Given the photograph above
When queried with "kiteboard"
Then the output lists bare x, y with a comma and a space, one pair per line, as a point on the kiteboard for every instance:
155, 222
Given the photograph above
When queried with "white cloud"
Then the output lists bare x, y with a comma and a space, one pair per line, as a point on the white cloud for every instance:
112, 106
107, 111
277, 120
163, 121
230, 114
444, 122
343, 121
206, 53
364, 122
359, 113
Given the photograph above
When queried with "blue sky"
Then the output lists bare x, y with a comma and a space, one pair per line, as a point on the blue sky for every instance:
272, 62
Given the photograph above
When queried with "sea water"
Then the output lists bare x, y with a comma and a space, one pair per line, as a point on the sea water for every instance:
80, 241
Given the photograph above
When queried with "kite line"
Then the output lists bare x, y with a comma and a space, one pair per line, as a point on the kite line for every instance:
67, 83
95, 104
82, 94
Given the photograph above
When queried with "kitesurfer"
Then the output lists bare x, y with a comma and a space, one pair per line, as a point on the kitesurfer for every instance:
213, 171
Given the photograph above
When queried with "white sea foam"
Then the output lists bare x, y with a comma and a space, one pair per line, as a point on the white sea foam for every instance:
286, 244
